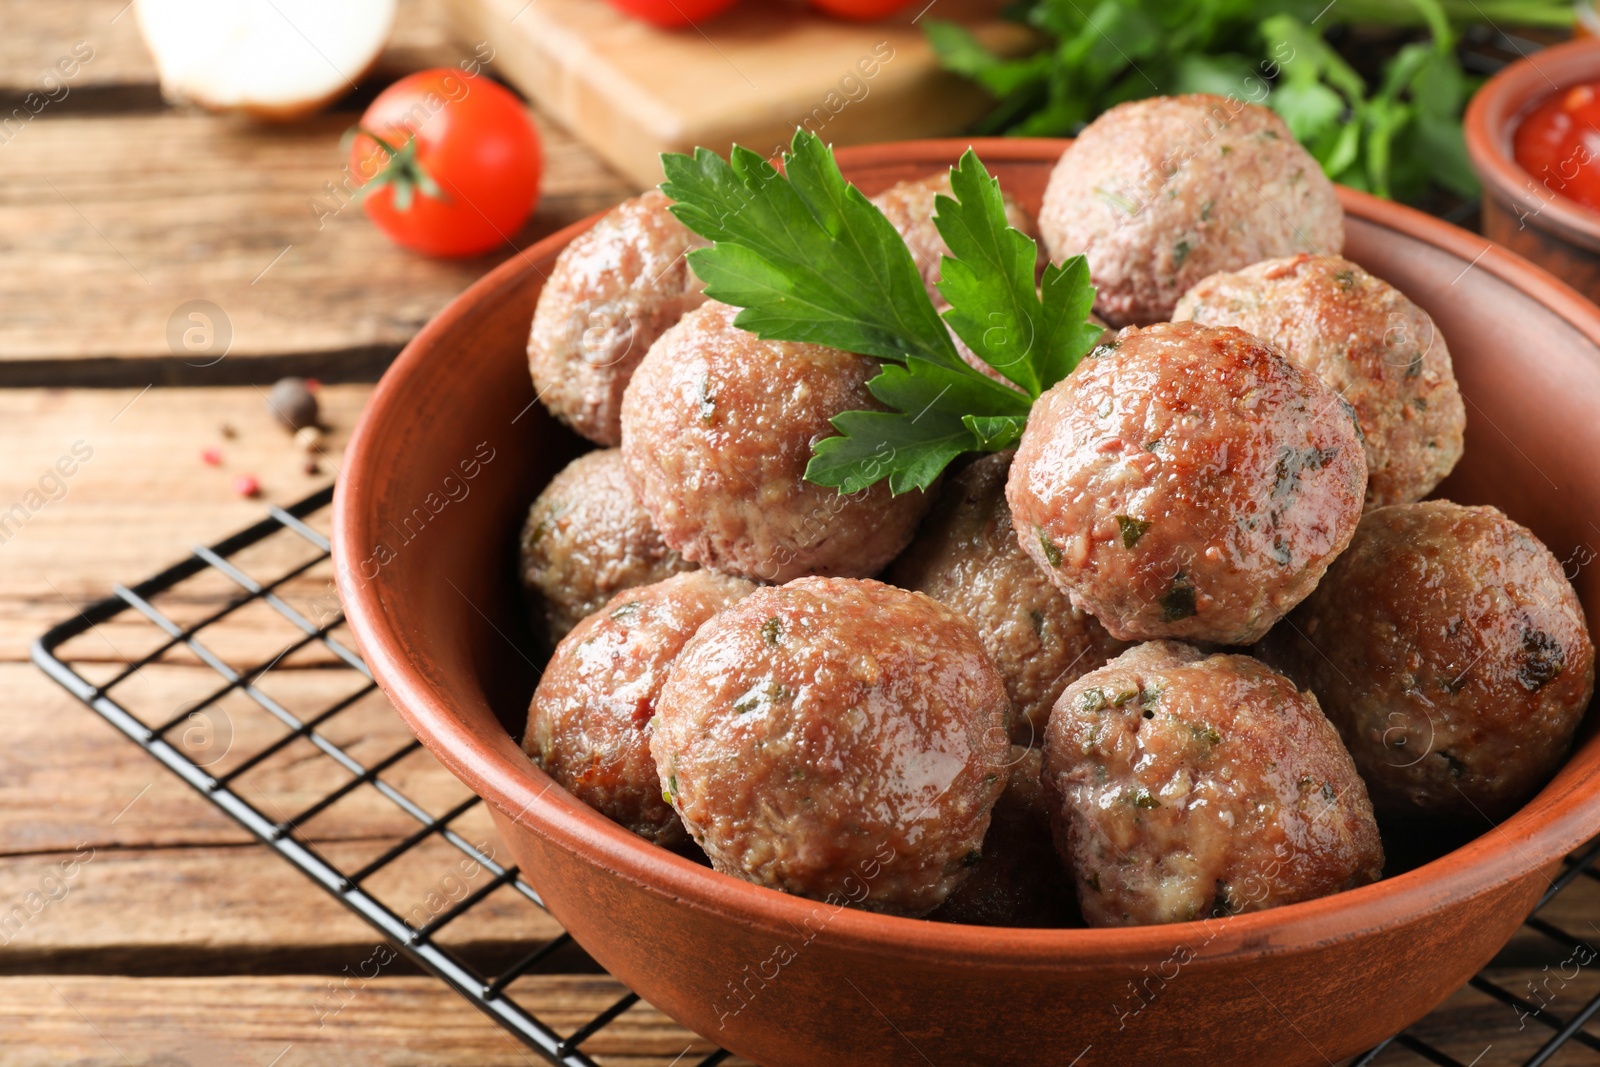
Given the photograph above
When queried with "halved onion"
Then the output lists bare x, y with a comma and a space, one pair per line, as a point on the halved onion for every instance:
273, 59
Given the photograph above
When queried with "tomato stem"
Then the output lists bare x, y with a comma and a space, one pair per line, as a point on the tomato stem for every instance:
401, 171
362, 131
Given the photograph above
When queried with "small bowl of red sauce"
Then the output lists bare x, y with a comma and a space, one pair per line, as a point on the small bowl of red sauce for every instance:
1558, 143
1533, 132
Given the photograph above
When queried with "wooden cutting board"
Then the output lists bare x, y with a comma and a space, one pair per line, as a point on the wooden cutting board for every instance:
749, 76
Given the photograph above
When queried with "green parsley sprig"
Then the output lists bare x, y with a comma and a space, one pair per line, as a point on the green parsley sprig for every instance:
1393, 127
807, 257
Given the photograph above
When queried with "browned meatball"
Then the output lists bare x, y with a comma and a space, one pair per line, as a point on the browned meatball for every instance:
839, 739
587, 537
967, 558
1160, 193
1452, 654
1020, 880
909, 207
1187, 481
1369, 344
589, 724
717, 429
612, 292
1184, 785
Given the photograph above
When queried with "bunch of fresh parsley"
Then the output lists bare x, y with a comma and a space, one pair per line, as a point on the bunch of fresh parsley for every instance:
809, 258
1394, 138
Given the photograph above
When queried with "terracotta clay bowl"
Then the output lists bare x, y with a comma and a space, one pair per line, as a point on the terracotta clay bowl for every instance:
453, 447
1523, 211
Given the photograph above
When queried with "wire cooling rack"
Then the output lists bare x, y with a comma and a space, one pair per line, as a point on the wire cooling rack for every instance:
282, 566
278, 571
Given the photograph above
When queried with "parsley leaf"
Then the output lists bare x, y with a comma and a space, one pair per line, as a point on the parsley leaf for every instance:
994, 307
807, 257
1394, 126
927, 428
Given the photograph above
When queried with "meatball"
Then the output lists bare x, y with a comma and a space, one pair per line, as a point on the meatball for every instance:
967, 558
611, 293
1019, 881
1452, 654
1183, 786
589, 723
909, 207
839, 739
588, 537
1161, 193
1369, 344
1187, 481
717, 429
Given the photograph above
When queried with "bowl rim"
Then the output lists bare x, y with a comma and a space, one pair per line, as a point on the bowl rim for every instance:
1492, 117
1558, 819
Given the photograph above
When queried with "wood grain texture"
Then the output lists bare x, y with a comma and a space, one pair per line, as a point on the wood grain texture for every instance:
748, 76
144, 496
113, 1022
180, 206
243, 910
68, 782
120, 73
110, 865
246, 1022
184, 207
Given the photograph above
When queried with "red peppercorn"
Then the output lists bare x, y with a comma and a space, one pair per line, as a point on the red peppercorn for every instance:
246, 485
212, 456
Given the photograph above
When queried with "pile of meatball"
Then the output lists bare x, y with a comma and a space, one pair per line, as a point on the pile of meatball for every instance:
1172, 658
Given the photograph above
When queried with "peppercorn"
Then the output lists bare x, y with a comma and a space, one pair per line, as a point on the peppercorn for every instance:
292, 403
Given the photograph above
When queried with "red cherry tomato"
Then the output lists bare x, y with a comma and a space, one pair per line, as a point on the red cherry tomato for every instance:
457, 170
1559, 143
672, 14
859, 10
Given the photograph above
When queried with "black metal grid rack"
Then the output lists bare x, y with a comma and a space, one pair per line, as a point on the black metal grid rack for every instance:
183, 741
316, 624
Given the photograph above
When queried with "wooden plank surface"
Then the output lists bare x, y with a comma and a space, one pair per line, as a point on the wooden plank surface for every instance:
98, 261
142, 499
385, 1022
180, 206
119, 73
132, 872
144, 496
749, 76
115, 1022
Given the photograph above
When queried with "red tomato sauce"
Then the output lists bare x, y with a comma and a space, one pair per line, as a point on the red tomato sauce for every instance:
1558, 142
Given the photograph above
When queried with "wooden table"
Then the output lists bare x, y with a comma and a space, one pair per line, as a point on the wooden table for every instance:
183, 941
